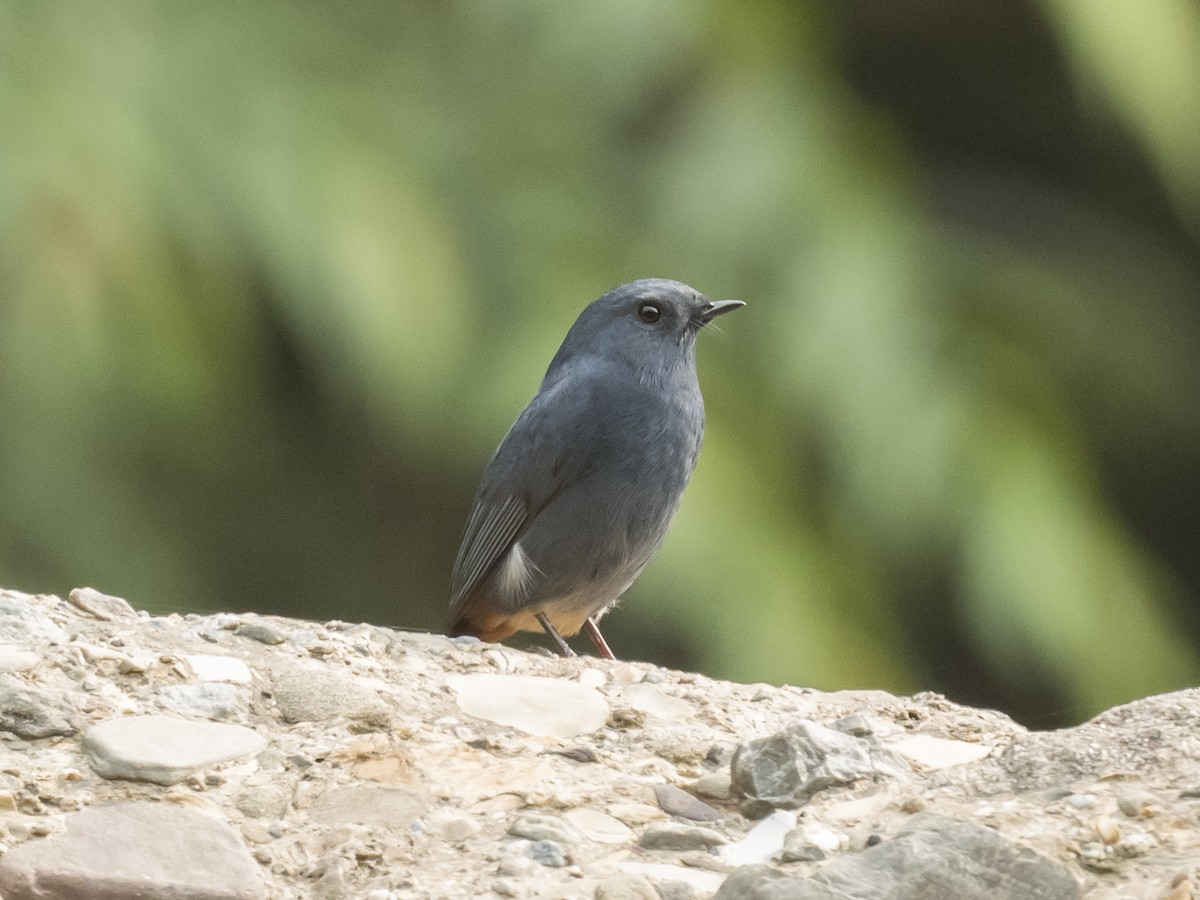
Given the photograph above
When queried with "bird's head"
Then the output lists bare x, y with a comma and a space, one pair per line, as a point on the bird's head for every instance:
650, 322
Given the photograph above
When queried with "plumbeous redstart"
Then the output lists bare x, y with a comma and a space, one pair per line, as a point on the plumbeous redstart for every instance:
582, 489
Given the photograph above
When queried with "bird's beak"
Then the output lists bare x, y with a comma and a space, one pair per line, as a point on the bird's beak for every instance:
713, 308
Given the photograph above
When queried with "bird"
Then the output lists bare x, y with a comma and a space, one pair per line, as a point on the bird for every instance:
581, 492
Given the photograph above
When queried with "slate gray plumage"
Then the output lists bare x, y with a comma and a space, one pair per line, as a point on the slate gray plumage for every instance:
581, 492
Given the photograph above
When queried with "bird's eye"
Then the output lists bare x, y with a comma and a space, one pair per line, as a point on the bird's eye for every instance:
649, 313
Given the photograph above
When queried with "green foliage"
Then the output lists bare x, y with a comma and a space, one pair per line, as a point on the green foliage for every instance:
275, 277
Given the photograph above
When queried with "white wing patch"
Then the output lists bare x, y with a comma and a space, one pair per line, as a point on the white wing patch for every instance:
489, 530
517, 574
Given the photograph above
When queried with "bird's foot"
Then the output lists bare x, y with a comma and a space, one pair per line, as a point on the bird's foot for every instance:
593, 631
558, 638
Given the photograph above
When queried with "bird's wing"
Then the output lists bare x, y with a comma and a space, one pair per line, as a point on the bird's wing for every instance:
529, 468
490, 531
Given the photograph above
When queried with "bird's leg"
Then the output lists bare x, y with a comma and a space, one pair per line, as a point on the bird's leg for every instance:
593, 631
558, 638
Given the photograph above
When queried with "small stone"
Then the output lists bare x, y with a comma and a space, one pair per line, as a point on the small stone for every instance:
1136, 802
516, 867
101, 606
599, 827
212, 667
672, 836
261, 632
1180, 887
1082, 801
786, 769
626, 887
648, 699
678, 802
720, 755
826, 838
257, 832
1107, 829
714, 784
162, 749
636, 813
134, 850
549, 853
626, 673
578, 754
939, 753
762, 842
856, 726
704, 859
541, 827
505, 887
545, 707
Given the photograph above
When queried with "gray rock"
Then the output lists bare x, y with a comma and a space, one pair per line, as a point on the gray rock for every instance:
679, 802
302, 695
101, 606
541, 827
261, 632
162, 749
801, 852
931, 858
549, 853
214, 700
625, 887
31, 714
23, 623
123, 850
672, 836
784, 770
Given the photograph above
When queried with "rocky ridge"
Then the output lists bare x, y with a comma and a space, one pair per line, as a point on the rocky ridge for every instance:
244, 756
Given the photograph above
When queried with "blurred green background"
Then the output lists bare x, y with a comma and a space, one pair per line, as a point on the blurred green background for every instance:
276, 277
